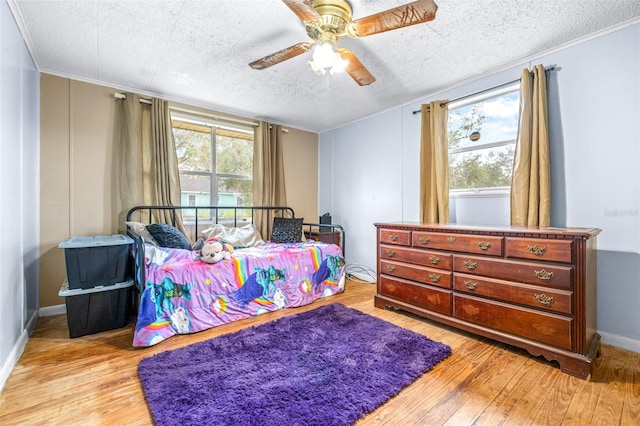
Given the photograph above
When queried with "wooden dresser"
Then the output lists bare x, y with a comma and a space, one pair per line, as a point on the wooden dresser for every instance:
534, 288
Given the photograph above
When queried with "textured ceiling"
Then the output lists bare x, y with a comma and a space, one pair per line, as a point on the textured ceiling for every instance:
197, 52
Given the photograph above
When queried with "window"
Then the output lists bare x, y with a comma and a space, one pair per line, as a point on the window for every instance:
215, 161
482, 136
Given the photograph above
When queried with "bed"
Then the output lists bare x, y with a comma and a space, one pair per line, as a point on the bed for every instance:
180, 294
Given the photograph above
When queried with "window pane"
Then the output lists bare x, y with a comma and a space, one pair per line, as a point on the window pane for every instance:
193, 149
483, 168
235, 192
495, 119
195, 189
234, 155
482, 136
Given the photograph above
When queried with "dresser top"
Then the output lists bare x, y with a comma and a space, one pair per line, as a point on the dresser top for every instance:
486, 229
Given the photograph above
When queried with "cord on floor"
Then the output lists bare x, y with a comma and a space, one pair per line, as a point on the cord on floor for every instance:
356, 272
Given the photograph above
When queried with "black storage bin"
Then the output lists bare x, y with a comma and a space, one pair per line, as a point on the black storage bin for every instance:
97, 309
96, 261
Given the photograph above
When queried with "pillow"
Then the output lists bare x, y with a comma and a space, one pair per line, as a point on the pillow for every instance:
168, 236
286, 230
140, 229
245, 236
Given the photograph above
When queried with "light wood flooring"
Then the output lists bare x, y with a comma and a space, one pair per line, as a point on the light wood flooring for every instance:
92, 380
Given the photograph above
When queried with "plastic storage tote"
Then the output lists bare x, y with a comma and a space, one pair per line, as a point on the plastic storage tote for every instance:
95, 261
97, 309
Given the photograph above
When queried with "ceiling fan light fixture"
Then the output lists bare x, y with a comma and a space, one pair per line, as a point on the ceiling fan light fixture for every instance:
326, 58
340, 65
324, 54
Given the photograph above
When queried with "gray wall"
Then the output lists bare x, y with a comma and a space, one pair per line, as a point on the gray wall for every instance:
19, 166
370, 169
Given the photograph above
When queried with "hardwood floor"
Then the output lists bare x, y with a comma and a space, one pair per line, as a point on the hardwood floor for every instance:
92, 380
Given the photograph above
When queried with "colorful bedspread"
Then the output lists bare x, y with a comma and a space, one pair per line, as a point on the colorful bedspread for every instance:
183, 295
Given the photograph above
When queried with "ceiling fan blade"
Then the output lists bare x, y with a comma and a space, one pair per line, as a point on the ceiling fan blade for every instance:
303, 9
355, 69
281, 56
402, 16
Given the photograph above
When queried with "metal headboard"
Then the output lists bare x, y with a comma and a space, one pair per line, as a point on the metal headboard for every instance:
240, 215
213, 215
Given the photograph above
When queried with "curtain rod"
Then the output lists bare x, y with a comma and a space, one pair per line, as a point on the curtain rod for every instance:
123, 96
282, 129
550, 68
230, 120
117, 95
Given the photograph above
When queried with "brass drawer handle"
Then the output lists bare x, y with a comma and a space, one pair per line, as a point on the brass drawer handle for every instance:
393, 237
451, 239
424, 240
484, 245
391, 253
434, 260
544, 299
471, 285
537, 250
470, 264
391, 268
434, 278
543, 275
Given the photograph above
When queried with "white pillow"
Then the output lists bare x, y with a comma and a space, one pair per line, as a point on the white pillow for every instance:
140, 228
246, 236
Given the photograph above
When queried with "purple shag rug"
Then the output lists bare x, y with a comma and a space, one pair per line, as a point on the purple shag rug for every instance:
328, 366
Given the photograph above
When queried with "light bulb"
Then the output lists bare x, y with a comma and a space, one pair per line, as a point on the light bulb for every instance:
324, 55
339, 65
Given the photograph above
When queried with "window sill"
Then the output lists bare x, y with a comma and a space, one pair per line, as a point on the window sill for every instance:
480, 192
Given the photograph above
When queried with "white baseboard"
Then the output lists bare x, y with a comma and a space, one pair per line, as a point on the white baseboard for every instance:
621, 342
33, 321
17, 350
49, 311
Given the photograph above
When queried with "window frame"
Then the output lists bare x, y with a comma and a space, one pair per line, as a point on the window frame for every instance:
492, 191
179, 115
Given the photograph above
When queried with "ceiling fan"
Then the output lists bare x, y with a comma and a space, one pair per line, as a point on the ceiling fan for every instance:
328, 21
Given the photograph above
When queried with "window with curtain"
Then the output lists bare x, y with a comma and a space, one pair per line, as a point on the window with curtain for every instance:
215, 162
482, 134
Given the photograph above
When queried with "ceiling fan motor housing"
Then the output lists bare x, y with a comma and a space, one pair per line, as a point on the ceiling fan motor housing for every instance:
334, 17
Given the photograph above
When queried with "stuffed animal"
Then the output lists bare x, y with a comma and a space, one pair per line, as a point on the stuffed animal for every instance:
212, 250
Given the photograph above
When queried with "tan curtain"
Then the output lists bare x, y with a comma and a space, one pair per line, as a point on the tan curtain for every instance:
165, 176
146, 166
128, 158
268, 172
531, 183
434, 164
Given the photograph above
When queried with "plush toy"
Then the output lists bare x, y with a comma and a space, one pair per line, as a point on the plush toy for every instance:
212, 250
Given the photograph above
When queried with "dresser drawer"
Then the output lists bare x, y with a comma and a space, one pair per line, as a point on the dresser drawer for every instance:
424, 296
547, 328
526, 272
394, 236
458, 242
540, 249
432, 259
418, 273
522, 294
